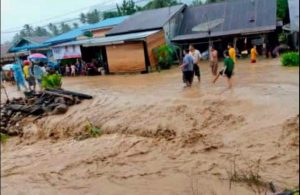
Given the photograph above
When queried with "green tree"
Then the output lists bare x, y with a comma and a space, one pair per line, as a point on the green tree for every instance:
23, 33
53, 29
139, 8
16, 37
75, 25
64, 28
110, 14
83, 18
202, 2
197, 2
28, 30
282, 9
126, 8
154, 4
93, 17
40, 31
213, 1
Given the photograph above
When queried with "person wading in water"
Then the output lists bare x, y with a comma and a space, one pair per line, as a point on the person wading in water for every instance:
187, 68
196, 57
213, 57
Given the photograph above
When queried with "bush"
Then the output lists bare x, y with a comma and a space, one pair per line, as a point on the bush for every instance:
92, 130
51, 81
282, 38
165, 55
3, 138
290, 59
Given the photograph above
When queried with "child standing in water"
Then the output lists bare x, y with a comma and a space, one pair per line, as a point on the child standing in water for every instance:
231, 52
227, 70
253, 54
73, 70
68, 71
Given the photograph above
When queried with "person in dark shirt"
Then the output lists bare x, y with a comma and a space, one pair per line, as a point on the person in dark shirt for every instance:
227, 70
187, 68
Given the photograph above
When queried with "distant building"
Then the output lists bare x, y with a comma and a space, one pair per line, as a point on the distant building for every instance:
26, 45
6, 57
97, 29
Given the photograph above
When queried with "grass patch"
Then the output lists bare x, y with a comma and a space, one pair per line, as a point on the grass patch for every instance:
51, 81
92, 130
3, 138
290, 59
292, 191
250, 176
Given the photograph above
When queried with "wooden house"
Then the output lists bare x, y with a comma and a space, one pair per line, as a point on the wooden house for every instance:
128, 47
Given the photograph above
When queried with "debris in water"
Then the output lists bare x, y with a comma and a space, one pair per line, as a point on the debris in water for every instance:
48, 102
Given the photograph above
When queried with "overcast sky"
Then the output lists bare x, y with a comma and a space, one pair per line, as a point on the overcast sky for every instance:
16, 13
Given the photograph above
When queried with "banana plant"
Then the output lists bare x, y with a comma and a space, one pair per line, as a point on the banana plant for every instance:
165, 55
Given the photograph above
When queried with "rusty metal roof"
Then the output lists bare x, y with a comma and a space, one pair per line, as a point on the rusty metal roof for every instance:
146, 20
238, 17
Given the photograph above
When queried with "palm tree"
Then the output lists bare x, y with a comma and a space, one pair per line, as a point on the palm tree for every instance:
28, 30
64, 27
75, 25
83, 18
53, 28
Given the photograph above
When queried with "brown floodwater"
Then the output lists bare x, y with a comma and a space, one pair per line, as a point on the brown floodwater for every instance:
161, 138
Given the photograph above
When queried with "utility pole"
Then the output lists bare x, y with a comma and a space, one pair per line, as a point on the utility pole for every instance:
209, 33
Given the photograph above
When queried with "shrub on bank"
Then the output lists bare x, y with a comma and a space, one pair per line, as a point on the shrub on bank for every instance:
51, 81
165, 55
290, 59
3, 138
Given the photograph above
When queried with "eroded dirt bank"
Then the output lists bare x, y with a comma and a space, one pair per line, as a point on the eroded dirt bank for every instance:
159, 138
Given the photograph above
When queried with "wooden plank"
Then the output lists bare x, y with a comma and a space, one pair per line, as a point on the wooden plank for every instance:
127, 57
154, 41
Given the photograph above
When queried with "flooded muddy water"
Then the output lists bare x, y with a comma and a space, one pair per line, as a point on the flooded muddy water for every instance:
160, 138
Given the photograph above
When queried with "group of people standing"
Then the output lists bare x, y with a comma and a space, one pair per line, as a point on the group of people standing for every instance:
81, 68
29, 75
33, 74
191, 62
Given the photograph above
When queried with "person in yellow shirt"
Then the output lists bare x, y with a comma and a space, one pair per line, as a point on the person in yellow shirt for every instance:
232, 53
29, 78
26, 69
253, 54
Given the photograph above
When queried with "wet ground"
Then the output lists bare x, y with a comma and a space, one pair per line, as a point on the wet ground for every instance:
159, 138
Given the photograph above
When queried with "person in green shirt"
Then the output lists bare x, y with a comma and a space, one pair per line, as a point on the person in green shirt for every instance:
227, 70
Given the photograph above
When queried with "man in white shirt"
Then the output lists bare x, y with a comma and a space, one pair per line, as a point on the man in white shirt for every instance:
196, 57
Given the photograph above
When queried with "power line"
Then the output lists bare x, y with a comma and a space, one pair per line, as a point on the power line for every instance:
62, 15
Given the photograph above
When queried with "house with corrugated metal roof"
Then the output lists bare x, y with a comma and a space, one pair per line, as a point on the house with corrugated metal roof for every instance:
25, 45
242, 23
167, 19
5, 56
128, 47
98, 29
